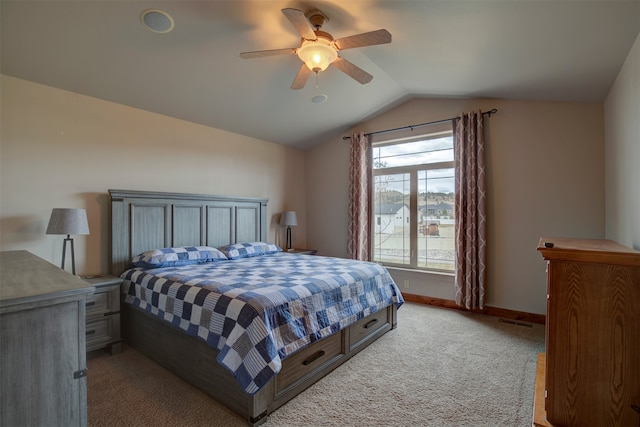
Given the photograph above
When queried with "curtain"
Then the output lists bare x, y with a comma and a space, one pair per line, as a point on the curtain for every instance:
470, 210
359, 197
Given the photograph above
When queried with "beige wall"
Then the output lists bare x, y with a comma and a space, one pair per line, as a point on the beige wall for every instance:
545, 178
622, 142
547, 175
61, 149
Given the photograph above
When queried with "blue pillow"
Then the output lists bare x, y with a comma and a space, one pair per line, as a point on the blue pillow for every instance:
171, 257
249, 249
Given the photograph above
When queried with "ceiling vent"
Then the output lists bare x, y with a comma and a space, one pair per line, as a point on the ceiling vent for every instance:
157, 20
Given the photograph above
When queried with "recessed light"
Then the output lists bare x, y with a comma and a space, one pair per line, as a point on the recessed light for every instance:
157, 20
319, 98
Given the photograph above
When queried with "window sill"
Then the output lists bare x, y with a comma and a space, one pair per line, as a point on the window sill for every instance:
411, 270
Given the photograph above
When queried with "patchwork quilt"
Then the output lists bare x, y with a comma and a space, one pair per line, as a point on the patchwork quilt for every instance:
256, 311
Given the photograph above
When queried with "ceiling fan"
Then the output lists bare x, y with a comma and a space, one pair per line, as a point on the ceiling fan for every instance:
318, 49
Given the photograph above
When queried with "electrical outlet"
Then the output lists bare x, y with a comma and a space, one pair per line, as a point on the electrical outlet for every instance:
406, 283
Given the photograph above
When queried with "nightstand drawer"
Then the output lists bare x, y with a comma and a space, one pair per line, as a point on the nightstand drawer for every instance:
102, 331
302, 251
104, 300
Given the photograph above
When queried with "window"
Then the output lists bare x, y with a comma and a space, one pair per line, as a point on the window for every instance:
413, 202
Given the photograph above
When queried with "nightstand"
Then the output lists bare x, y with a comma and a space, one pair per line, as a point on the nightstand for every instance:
103, 314
302, 251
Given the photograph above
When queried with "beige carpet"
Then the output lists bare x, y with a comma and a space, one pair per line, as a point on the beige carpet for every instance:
438, 368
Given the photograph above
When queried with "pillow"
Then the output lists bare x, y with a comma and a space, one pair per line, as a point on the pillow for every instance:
171, 257
249, 249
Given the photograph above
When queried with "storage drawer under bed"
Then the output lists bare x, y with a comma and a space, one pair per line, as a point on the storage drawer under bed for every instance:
308, 360
361, 331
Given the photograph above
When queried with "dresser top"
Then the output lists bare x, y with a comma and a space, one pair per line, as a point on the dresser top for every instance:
597, 251
25, 277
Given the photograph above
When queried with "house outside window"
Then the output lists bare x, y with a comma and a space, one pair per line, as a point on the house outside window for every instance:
413, 202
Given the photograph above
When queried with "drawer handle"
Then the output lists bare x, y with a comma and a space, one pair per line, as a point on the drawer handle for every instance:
91, 332
370, 323
313, 358
90, 303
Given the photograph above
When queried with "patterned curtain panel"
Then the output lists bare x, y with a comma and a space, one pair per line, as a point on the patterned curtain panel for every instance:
470, 210
359, 200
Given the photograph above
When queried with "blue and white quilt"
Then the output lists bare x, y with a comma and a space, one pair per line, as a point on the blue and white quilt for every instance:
256, 311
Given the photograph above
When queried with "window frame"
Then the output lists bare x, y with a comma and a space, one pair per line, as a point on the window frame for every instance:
413, 171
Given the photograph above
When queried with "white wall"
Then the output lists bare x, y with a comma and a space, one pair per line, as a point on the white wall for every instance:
61, 149
545, 178
622, 142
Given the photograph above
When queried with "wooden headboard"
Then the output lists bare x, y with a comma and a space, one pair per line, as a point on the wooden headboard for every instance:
144, 220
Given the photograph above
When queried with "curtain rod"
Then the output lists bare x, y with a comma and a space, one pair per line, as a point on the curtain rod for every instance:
489, 113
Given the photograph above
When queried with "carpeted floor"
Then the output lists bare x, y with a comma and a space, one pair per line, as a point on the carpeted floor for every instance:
438, 368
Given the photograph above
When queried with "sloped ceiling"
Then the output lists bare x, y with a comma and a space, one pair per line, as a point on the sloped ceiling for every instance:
515, 49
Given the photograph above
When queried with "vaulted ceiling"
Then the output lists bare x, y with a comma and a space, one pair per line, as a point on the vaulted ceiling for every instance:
563, 50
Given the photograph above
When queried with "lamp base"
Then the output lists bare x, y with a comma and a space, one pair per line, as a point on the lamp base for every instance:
73, 256
288, 247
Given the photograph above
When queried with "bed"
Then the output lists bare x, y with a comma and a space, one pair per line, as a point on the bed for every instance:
251, 325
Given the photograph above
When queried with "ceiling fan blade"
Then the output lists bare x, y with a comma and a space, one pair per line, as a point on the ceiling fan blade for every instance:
365, 39
301, 77
353, 71
261, 53
301, 23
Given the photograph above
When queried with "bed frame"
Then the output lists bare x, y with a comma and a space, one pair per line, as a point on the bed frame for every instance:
147, 220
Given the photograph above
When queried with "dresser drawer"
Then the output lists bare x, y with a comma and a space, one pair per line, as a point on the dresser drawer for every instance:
308, 360
365, 328
104, 300
102, 331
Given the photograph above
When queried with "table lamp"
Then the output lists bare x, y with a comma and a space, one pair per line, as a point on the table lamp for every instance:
68, 221
289, 219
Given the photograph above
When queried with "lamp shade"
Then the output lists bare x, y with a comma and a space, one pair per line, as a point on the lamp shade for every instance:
288, 218
68, 221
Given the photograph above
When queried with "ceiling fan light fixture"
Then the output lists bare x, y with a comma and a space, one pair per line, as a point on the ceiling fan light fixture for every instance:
317, 54
318, 49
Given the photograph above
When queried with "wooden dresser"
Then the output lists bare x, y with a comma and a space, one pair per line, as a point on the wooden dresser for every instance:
592, 333
42, 343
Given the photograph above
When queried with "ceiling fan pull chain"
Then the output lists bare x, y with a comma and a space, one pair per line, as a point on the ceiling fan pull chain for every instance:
316, 80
